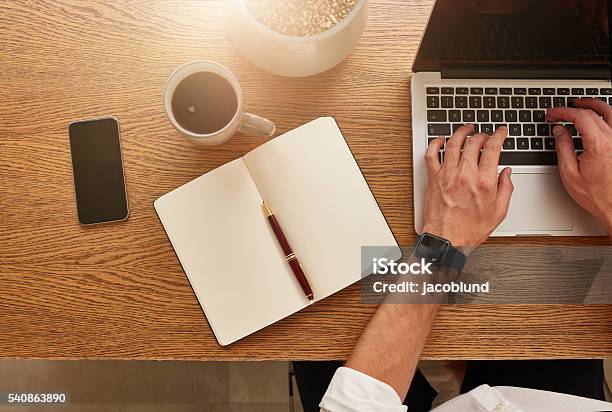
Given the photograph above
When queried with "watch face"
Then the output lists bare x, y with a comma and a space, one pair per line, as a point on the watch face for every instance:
431, 247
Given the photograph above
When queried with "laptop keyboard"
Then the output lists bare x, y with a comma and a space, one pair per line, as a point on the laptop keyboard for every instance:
522, 109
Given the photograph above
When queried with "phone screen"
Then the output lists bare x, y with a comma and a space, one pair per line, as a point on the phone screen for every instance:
97, 167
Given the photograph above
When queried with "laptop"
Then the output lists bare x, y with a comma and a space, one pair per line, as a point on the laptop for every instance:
504, 62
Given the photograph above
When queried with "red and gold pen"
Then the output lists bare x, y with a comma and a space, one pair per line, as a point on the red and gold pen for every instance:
296, 268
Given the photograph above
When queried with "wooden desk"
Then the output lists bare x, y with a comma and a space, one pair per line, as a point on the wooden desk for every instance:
117, 290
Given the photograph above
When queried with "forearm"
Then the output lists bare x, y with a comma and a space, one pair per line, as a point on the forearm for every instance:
391, 345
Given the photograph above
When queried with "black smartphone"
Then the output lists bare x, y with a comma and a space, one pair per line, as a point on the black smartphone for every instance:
97, 168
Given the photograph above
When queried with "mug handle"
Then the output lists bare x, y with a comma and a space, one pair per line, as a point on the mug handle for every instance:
256, 125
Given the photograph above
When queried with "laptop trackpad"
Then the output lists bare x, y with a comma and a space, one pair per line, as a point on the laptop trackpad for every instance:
539, 203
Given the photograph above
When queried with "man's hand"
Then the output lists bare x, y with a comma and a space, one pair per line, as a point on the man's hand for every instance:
588, 177
466, 199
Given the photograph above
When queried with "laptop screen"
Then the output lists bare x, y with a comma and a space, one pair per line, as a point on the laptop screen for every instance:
537, 35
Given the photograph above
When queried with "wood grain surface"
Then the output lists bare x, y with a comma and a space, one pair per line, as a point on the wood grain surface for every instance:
117, 290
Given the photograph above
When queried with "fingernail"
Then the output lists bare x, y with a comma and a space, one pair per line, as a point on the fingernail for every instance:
558, 131
503, 128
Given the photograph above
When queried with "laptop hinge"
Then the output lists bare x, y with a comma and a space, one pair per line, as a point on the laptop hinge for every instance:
518, 73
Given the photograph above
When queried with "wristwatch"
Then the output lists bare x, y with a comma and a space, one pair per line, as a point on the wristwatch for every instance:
439, 251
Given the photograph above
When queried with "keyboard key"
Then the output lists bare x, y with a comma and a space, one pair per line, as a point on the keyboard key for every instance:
447, 101
528, 158
491, 90
505, 90
441, 156
436, 115
518, 102
498, 125
515, 130
531, 102
482, 115
543, 130
433, 102
558, 101
488, 102
610, 101
563, 91
545, 102
578, 91
606, 91
475, 102
469, 116
497, 116
486, 128
461, 90
509, 143
476, 90
535, 91
429, 140
549, 91
511, 116
520, 91
448, 90
529, 129
433, 90
503, 102
572, 129
603, 99
592, 92
578, 144
522, 143
539, 116
525, 116
454, 116
549, 143
537, 143
461, 102
476, 128
570, 101
439, 129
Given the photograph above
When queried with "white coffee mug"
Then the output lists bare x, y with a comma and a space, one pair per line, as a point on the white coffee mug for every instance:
241, 121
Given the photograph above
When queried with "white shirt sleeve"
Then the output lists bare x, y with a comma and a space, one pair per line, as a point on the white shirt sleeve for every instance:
353, 391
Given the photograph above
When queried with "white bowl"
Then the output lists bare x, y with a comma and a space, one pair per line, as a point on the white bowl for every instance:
295, 56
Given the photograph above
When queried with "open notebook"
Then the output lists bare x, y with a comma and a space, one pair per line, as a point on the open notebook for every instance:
228, 250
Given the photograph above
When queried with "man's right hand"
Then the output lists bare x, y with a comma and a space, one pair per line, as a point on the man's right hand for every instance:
588, 177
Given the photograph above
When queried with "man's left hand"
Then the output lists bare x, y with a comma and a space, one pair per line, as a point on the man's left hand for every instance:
466, 199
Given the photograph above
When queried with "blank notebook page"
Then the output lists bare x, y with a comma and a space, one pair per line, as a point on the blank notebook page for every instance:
322, 201
224, 243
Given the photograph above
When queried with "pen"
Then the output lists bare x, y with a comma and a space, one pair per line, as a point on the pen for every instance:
296, 268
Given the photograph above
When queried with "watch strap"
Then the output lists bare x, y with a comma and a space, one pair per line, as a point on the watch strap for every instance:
454, 258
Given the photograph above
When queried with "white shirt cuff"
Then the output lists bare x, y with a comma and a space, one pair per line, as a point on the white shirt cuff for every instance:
353, 391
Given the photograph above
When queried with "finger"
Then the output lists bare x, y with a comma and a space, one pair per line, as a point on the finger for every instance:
568, 163
588, 124
471, 149
585, 118
454, 145
432, 160
489, 160
596, 105
504, 192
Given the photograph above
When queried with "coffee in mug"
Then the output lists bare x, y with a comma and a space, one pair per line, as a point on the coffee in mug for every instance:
203, 101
